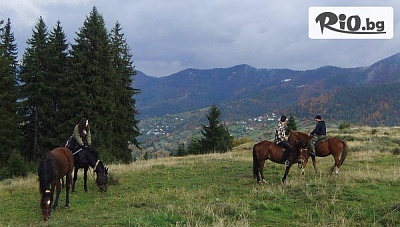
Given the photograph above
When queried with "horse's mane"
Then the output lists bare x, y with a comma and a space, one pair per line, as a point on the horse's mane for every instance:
46, 172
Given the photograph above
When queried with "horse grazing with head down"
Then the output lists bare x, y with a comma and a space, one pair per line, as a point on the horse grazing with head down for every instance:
329, 146
85, 157
56, 164
266, 150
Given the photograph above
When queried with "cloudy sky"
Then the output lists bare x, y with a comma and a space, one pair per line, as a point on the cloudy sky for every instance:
167, 36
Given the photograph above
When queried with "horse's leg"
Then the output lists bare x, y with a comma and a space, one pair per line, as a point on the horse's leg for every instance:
62, 183
85, 170
261, 171
336, 165
314, 164
58, 190
286, 174
303, 167
67, 188
75, 178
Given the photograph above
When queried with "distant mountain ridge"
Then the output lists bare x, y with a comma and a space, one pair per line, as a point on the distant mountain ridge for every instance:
368, 95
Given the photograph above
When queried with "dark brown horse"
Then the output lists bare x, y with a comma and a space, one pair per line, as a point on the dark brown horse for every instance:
329, 146
83, 158
266, 150
56, 164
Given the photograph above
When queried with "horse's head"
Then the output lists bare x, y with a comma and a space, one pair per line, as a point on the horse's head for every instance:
304, 154
45, 204
102, 176
296, 136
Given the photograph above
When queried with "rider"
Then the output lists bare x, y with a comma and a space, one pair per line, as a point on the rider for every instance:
318, 133
281, 139
81, 135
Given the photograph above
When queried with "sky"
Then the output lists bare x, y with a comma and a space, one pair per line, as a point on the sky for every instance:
167, 36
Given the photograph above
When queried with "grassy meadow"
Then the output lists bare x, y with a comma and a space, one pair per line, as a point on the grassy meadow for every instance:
219, 190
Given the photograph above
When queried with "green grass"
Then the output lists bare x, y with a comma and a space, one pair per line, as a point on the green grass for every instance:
219, 190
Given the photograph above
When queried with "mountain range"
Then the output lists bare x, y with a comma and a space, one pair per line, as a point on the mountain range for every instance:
363, 95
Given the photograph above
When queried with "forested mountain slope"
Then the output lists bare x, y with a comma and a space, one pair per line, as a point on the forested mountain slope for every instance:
367, 95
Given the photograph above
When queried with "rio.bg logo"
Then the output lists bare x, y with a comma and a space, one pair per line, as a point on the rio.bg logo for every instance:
350, 22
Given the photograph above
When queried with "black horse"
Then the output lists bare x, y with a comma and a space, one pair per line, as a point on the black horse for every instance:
85, 157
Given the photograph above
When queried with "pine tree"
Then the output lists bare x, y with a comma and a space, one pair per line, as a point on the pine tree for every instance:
216, 137
291, 125
34, 92
125, 126
8, 93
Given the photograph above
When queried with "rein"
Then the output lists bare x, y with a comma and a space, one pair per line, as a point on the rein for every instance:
76, 152
95, 166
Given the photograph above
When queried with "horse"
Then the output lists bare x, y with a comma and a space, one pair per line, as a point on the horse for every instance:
265, 150
85, 157
56, 164
329, 146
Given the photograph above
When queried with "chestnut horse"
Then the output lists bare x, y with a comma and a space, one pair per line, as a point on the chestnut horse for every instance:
265, 150
329, 146
56, 164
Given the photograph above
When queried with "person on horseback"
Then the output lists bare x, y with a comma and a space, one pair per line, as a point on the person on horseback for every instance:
319, 133
281, 139
81, 137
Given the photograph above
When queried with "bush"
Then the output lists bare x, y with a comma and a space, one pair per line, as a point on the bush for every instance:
237, 142
396, 151
16, 165
344, 125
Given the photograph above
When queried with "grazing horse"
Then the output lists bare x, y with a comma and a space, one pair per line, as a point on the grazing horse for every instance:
85, 157
56, 164
265, 150
329, 146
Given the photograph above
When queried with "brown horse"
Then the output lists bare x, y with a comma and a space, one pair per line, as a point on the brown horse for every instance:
56, 164
329, 146
265, 150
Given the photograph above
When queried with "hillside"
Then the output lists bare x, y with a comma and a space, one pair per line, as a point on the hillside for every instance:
364, 95
219, 190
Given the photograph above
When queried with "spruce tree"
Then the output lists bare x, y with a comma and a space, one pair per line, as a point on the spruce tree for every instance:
9, 120
58, 87
291, 125
35, 93
95, 83
216, 137
125, 126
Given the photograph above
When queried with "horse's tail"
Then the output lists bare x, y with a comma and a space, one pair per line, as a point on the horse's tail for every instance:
255, 162
344, 153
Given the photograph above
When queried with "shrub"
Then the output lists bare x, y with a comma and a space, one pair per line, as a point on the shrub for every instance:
344, 125
16, 165
396, 151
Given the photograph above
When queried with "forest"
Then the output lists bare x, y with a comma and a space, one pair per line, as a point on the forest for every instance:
56, 83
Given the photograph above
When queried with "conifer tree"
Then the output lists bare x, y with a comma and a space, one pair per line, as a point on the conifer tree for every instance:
216, 137
95, 84
8, 93
35, 93
291, 125
125, 126
57, 87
